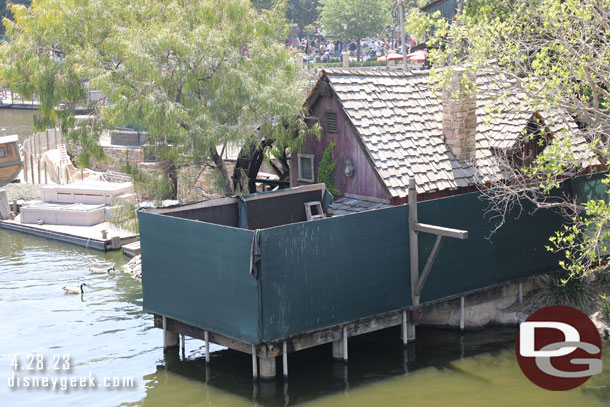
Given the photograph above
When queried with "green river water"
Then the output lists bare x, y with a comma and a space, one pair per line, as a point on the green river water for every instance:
105, 334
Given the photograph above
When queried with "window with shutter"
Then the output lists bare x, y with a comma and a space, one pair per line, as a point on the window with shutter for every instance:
330, 121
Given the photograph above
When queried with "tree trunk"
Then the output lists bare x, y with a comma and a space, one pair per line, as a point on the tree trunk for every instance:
358, 48
220, 165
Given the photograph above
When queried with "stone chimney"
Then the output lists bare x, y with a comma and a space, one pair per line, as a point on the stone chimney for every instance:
460, 115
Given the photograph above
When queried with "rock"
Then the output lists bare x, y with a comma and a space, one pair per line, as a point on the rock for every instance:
134, 267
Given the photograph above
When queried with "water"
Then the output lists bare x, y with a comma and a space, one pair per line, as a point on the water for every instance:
17, 121
106, 334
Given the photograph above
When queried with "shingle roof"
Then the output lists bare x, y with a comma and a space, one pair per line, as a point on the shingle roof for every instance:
346, 206
399, 119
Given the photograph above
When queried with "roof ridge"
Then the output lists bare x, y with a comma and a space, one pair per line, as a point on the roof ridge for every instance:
362, 71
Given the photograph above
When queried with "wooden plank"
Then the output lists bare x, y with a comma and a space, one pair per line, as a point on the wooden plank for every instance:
427, 268
441, 231
196, 205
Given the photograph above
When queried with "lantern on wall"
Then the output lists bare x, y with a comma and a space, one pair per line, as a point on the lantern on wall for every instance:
348, 168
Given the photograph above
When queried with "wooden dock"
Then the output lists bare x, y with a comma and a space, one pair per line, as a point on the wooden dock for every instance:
86, 236
131, 249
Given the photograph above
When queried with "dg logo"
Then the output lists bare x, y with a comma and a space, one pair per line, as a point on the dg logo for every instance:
559, 348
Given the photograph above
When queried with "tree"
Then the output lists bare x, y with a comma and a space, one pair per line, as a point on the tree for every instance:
4, 11
355, 18
303, 12
194, 74
557, 52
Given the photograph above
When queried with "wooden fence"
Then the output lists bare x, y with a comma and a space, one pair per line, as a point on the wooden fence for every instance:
37, 170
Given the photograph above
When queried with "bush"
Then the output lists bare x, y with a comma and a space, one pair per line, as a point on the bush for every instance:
558, 289
604, 305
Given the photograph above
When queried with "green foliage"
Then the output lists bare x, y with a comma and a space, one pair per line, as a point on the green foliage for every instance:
560, 289
173, 68
555, 54
604, 304
5, 12
326, 168
355, 18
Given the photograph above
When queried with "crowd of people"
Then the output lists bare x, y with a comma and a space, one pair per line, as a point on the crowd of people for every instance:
320, 49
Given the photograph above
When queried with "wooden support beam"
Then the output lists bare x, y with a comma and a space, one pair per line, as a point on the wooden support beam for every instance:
285, 358
461, 313
345, 344
520, 292
441, 231
254, 363
427, 268
413, 237
206, 336
405, 334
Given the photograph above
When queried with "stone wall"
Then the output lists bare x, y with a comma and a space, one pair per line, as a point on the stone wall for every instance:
196, 183
118, 156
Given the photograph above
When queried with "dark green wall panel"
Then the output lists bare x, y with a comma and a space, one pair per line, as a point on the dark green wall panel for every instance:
516, 250
586, 188
198, 273
321, 273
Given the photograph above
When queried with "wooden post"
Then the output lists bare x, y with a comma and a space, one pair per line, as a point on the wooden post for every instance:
285, 358
461, 313
15, 206
66, 169
46, 174
254, 363
39, 181
413, 240
520, 292
405, 335
206, 336
183, 346
5, 210
267, 367
25, 162
47, 138
345, 344
170, 339
32, 168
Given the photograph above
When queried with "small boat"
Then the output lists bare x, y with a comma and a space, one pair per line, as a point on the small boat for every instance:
10, 160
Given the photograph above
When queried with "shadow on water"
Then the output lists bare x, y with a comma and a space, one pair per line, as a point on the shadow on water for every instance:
313, 373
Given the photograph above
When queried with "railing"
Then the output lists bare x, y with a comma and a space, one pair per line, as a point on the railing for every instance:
37, 169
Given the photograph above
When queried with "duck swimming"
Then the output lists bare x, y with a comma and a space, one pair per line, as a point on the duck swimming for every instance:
74, 290
102, 271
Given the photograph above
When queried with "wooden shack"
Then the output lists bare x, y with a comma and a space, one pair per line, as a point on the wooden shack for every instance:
251, 273
10, 161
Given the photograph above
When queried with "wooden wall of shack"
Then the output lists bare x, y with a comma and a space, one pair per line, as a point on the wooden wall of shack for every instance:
365, 181
325, 272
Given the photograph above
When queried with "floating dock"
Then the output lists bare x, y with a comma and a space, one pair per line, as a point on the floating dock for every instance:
86, 236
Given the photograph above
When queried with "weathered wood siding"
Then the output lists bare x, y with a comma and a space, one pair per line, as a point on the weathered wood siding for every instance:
364, 182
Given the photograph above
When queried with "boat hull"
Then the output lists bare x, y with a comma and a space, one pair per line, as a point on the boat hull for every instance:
8, 172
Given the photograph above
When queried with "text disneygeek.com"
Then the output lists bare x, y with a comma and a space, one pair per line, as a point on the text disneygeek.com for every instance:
37, 371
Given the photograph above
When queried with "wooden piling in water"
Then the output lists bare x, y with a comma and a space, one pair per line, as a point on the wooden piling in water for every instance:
285, 359
207, 346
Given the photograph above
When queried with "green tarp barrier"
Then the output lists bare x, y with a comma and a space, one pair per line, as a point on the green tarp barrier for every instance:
198, 273
321, 273
325, 272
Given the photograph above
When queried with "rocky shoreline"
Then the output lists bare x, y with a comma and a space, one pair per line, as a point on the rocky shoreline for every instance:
134, 267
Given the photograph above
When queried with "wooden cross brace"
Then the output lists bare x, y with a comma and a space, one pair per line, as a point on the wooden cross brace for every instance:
418, 280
